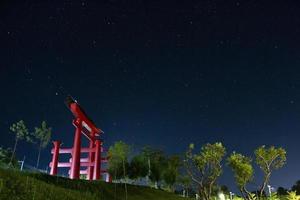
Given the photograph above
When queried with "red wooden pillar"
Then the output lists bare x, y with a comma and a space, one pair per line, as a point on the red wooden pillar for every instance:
56, 145
90, 170
75, 165
97, 165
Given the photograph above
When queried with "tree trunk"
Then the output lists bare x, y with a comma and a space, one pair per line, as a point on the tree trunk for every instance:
38, 158
210, 189
149, 171
203, 193
266, 180
243, 194
124, 173
14, 151
248, 194
187, 193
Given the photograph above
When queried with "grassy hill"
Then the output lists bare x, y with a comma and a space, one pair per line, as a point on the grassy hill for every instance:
34, 186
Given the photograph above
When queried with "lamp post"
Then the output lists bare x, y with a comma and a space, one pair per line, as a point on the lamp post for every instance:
22, 163
270, 188
231, 194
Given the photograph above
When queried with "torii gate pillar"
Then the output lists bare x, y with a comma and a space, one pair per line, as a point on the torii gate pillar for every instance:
92, 163
75, 166
56, 145
98, 158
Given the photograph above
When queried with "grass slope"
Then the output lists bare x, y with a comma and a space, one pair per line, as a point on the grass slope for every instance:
17, 185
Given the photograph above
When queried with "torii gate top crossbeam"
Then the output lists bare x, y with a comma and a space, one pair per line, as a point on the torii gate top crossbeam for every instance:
87, 123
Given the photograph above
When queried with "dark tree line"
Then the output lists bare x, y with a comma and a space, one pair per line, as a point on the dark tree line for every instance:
202, 168
40, 136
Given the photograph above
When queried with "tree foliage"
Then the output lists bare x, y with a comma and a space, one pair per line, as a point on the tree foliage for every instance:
171, 171
156, 164
5, 156
292, 196
185, 182
296, 187
21, 133
20, 130
118, 156
269, 159
138, 167
281, 191
243, 172
205, 167
42, 136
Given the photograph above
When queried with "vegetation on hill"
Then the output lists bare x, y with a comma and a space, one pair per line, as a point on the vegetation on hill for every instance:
17, 185
194, 172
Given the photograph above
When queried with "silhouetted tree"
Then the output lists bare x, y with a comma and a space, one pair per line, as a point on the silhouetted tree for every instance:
118, 153
171, 171
5, 158
156, 164
185, 182
296, 187
42, 136
138, 167
243, 172
21, 133
282, 191
225, 189
205, 167
269, 159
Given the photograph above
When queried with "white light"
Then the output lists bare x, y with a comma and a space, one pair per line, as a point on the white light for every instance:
86, 126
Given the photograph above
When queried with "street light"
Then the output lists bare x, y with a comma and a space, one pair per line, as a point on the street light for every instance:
231, 194
270, 189
22, 163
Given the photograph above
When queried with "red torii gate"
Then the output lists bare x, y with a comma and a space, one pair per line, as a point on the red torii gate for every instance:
93, 162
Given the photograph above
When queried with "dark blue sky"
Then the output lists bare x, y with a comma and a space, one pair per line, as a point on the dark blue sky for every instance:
164, 74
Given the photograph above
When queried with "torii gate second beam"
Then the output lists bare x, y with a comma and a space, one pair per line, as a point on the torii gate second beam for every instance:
84, 125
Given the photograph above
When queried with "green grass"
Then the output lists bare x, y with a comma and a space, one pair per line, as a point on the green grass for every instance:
35, 186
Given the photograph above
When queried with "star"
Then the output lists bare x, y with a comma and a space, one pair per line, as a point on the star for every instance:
94, 43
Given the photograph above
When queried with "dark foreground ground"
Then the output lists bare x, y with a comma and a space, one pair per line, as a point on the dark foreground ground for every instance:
35, 186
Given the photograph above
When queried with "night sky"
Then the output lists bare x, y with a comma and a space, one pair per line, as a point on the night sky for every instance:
164, 74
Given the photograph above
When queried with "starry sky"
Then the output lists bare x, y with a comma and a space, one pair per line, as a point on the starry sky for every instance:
152, 73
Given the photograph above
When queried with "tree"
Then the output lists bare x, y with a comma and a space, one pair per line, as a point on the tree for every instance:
185, 183
21, 133
205, 167
42, 135
225, 189
292, 196
171, 172
118, 153
5, 157
281, 191
269, 159
273, 196
156, 162
243, 172
138, 167
296, 187
157, 166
